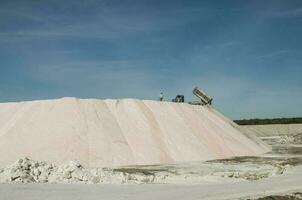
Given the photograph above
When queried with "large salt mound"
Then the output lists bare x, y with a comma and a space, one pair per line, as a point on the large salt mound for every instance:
118, 132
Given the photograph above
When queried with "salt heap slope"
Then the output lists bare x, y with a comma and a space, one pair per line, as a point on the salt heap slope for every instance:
118, 132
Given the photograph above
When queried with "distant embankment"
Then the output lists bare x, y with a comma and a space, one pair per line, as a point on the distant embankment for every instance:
270, 127
296, 120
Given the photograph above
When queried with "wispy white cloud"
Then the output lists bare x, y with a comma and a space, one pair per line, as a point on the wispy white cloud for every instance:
279, 53
107, 23
106, 78
20, 14
294, 12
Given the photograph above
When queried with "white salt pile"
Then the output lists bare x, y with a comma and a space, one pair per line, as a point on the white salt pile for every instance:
118, 132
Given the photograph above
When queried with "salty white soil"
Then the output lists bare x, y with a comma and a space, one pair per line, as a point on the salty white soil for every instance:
29, 171
118, 132
285, 184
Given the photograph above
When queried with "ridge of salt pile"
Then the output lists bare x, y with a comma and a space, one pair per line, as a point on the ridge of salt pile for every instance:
118, 132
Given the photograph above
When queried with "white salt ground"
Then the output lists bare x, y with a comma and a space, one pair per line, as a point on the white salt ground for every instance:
283, 184
30, 171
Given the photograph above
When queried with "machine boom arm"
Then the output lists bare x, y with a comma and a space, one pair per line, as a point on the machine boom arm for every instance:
202, 96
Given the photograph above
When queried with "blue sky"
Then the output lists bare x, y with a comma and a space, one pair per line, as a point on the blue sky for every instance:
246, 54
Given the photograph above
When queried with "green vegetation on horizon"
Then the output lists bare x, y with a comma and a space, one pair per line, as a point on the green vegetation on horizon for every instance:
296, 120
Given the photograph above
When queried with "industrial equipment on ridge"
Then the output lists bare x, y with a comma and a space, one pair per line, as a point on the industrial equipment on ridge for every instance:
204, 98
179, 99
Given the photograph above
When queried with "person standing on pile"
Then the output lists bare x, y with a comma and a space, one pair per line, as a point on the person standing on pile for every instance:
161, 97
